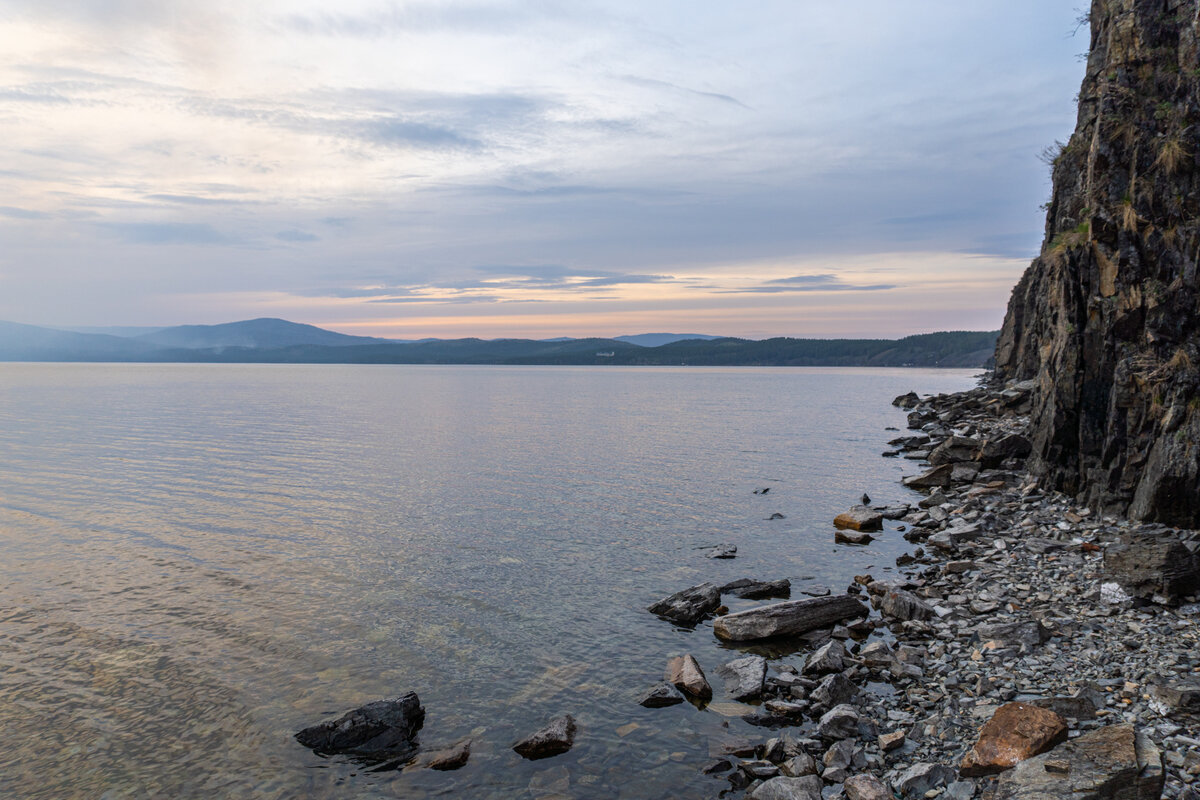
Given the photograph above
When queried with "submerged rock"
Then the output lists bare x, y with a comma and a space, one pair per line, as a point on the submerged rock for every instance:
786, 619
382, 729
555, 738
451, 758
660, 695
690, 605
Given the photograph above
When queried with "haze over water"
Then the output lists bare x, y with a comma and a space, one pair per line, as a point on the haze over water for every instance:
199, 560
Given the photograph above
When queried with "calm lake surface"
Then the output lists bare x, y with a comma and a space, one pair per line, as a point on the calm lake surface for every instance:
198, 560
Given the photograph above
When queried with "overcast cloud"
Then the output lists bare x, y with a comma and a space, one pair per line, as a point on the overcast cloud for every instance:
761, 168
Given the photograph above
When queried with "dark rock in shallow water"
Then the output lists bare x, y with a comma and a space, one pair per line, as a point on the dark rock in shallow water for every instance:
660, 695
754, 590
1149, 563
721, 551
903, 605
556, 738
689, 606
787, 619
451, 758
382, 729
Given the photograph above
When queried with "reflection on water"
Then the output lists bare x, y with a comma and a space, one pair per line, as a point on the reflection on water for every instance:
199, 560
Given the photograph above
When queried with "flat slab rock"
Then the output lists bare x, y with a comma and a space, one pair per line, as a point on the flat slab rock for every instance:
860, 518
805, 788
690, 605
1113, 763
787, 619
751, 589
555, 738
1016, 731
382, 729
1149, 564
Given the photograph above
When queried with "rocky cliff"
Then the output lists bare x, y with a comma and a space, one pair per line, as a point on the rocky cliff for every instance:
1107, 318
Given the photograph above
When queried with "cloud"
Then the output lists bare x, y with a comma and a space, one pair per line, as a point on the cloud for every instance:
808, 283
22, 213
657, 84
296, 236
193, 200
167, 233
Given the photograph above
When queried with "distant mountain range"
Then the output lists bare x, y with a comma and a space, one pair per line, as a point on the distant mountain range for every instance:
280, 341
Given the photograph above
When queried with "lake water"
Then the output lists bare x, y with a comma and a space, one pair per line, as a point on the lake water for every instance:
198, 560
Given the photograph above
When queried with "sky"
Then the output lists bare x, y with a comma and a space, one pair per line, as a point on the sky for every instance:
529, 168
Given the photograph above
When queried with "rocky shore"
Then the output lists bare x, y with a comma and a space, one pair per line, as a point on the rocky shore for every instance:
1030, 649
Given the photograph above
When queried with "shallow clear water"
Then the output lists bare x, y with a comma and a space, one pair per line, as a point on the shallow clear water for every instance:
198, 560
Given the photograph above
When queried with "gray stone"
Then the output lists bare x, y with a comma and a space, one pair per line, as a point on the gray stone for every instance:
799, 766
690, 605
382, 729
807, 787
865, 787
903, 605
923, 777
744, 677
839, 722
826, 658
555, 738
721, 551
787, 619
1111, 763
833, 690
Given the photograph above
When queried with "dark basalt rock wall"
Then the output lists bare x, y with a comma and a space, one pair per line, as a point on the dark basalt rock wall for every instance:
1107, 318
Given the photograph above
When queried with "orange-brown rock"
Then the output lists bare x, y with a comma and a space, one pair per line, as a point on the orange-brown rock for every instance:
1016, 731
860, 518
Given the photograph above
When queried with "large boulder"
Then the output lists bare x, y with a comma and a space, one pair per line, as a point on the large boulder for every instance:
555, 738
998, 449
379, 730
1112, 763
860, 518
787, 619
936, 477
1015, 732
1149, 563
690, 605
954, 450
865, 787
922, 778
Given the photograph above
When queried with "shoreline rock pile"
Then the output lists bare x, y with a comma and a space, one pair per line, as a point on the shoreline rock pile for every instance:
1029, 649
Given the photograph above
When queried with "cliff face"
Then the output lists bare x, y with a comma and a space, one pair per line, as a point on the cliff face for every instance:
1107, 318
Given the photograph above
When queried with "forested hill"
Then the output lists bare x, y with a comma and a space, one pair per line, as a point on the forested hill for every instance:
279, 342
